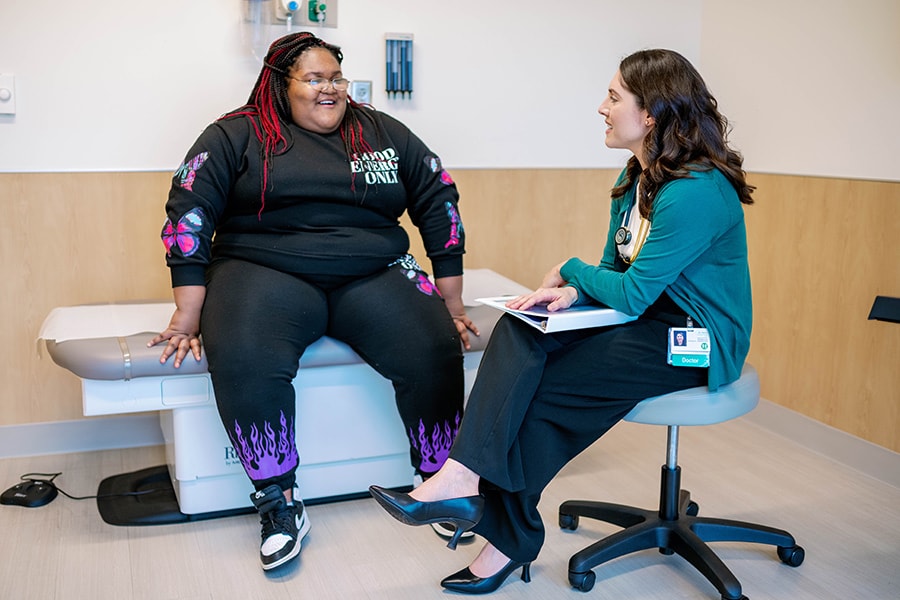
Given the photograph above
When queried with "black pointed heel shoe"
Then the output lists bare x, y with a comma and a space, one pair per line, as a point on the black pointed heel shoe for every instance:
465, 582
463, 513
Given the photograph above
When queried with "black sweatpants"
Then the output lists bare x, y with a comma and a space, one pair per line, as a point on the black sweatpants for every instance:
541, 399
256, 322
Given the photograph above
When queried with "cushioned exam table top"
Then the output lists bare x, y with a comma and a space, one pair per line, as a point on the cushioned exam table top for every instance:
109, 341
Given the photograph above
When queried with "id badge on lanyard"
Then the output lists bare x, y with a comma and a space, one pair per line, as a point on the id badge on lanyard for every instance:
689, 346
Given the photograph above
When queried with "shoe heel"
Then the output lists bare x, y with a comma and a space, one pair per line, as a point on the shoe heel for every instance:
461, 528
455, 538
526, 572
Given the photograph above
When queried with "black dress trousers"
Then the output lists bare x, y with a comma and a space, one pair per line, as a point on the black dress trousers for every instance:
541, 399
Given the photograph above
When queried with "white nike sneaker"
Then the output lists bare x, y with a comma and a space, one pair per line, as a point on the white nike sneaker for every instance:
283, 526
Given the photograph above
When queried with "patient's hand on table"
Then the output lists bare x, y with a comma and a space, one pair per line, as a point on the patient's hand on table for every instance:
464, 324
451, 291
182, 334
182, 337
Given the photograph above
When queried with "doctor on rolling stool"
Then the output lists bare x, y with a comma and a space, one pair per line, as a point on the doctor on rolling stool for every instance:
676, 233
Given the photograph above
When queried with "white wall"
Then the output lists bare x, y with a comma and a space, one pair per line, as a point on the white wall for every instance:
811, 86
106, 85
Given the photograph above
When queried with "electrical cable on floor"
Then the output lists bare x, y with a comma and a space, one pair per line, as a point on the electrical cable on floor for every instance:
32, 477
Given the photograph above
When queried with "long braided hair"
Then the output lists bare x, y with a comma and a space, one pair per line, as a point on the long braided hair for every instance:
689, 131
269, 111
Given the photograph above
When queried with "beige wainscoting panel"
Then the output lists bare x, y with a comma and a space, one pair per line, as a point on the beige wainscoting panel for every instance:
523, 222
70, 238
820, 251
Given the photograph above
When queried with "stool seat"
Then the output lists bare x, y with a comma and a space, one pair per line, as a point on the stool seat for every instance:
675, 527
699, 406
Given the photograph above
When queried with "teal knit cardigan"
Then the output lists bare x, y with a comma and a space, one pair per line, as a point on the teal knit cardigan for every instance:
696, 252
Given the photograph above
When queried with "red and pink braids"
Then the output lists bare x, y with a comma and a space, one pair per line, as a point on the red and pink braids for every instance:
268, 107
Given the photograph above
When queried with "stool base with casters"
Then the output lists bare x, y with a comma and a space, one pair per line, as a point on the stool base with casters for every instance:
675, 527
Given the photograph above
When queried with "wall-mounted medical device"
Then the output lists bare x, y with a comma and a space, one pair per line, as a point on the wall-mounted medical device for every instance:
263, 21
398, 53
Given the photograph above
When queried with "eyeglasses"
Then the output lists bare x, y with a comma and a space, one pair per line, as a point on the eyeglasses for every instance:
340, 84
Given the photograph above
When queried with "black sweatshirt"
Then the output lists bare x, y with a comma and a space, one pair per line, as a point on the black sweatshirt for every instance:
323, 213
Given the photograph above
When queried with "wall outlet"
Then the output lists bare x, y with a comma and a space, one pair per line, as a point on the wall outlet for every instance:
361, 91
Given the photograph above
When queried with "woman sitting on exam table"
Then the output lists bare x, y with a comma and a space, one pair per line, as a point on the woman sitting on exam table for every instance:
675, 254
303, 190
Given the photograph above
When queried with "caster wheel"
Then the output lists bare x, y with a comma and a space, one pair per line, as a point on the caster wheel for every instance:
569, 522
582, 581
693, 509
792, 556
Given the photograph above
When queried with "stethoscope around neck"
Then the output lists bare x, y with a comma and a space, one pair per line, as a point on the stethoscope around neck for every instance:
623, 234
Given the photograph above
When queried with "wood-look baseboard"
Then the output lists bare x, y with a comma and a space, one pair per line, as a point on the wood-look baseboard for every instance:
85, 435
857, 453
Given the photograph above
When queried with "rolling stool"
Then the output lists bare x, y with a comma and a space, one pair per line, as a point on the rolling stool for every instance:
675, 527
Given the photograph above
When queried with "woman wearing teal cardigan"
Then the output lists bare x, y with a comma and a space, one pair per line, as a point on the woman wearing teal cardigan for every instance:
675, 256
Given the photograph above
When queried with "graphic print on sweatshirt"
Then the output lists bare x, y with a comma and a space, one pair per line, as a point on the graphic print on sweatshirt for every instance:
377, 167
434, 164
183, 233
456, 227
187, 172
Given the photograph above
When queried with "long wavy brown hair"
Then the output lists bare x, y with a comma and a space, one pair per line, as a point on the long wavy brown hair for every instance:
689, 134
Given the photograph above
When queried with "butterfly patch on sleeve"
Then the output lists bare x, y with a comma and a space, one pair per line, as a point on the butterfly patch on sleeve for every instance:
187, 172
184, 233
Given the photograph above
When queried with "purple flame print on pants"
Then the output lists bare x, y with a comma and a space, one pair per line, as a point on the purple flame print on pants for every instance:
434, 448
268, 454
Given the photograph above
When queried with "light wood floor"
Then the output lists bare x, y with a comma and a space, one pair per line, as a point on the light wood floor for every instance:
848, 523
